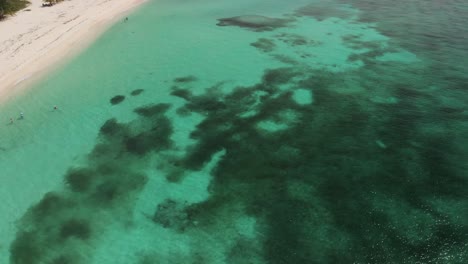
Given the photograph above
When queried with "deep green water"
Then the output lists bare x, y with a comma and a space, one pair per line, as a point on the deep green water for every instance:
247, 132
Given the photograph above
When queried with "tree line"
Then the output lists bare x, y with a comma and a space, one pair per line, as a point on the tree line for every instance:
8, 7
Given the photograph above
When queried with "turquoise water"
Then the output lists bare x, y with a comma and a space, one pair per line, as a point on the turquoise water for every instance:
285, 132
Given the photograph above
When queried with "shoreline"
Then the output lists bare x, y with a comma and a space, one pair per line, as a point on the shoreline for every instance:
33, 43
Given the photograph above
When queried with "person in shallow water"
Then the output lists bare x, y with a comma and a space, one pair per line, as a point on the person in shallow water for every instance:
55, 107
21, 115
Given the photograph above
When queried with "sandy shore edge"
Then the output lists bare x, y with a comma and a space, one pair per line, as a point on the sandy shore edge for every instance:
39, 39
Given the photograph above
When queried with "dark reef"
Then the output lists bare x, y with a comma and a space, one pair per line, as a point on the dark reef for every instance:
264, 44
136, 92
301, 181
185, 79
117, 99
106, 183
79, 180
255, 22
170, 214
344, 179
298, 182
76, 228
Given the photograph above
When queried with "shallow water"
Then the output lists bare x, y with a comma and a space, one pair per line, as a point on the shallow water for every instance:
296, 132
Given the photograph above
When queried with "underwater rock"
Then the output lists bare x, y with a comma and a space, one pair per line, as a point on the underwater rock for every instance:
136, 92
111, 127
185, 79
169, 214
152, 110
49, 204
278, 76
79, 180
254, 22
117, 187
77, 228
117, 99
264, 44
25, 249
294, 40
182, 93
157, 139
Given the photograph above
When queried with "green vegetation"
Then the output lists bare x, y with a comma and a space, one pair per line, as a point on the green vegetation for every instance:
51, 2
11, 6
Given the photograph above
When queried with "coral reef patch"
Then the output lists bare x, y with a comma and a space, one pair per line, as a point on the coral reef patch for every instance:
255, 22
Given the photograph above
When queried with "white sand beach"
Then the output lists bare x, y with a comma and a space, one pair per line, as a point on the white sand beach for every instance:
38, 38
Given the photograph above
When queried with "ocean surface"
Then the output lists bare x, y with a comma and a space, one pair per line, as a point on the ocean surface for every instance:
247, 132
